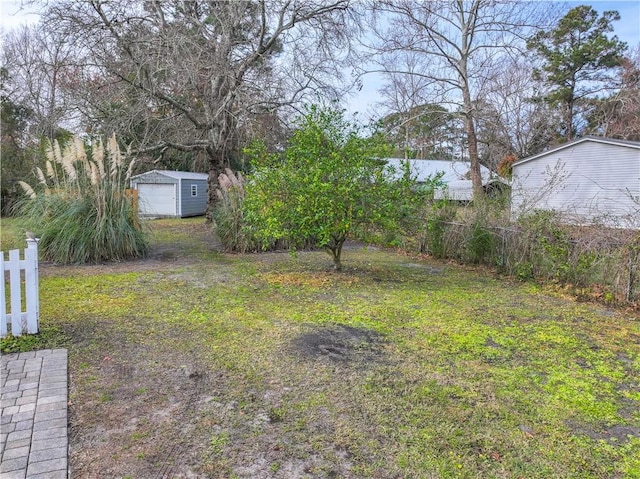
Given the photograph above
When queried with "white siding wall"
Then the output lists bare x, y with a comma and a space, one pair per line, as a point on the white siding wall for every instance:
587, 181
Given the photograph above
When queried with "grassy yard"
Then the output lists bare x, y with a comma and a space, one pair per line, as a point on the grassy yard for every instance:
11, 234
198, 364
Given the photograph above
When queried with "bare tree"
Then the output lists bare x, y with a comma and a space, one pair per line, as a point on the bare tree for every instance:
38, 61
456, 41
193, 69
414, 125
510, 121
618, 115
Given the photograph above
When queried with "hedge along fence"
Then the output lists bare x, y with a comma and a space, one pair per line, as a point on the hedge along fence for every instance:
602, 261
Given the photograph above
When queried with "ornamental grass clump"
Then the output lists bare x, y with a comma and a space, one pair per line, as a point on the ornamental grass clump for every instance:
228, 215
233, 230
80, 209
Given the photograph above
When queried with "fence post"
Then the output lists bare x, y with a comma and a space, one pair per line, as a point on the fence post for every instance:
32, 286
3, 300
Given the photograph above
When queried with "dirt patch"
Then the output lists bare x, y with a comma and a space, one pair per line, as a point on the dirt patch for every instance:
136, 410
340, 343
618, 434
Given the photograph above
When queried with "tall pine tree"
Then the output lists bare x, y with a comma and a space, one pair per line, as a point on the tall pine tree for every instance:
578, 60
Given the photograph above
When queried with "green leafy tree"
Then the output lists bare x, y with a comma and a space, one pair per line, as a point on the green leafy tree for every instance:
184, 75
578, 59
424, 131
329, 183
16, 163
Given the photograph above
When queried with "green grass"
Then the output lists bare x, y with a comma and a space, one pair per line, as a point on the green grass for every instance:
12, 234
474, 376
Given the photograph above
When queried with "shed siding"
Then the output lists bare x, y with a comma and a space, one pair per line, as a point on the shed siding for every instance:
587, 181
193, 205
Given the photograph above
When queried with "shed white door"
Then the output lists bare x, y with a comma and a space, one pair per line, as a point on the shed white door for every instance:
157, 199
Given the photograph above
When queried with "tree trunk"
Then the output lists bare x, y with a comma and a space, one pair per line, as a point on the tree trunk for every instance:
571, 101
472, 145
216, 166
569, 120
217, 152
335, 250
337, 263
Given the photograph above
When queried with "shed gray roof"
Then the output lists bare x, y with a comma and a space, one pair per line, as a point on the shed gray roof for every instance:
595, 139
178, 175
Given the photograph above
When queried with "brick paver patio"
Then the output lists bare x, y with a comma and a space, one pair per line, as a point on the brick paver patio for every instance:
33, 430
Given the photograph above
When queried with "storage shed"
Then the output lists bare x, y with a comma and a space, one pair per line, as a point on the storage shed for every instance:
171, 193
587, 181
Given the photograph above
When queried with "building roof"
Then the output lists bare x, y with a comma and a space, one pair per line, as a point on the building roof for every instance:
177, 175
594, 139
454, 171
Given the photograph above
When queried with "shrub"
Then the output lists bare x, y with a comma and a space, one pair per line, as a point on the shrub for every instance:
480, 243
548, 244
328, 185
596, 262
432, 239
82, 213
234, 232
228, 215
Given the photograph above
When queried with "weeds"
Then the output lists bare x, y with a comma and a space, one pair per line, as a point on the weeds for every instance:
218, 443
596, 262
48, 338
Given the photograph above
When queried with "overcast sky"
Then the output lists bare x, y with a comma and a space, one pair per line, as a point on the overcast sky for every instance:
12, 14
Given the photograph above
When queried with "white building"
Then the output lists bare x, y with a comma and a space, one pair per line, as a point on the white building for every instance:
587, 181
456, 176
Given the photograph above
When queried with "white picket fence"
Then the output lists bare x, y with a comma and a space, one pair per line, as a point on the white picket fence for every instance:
18, 321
